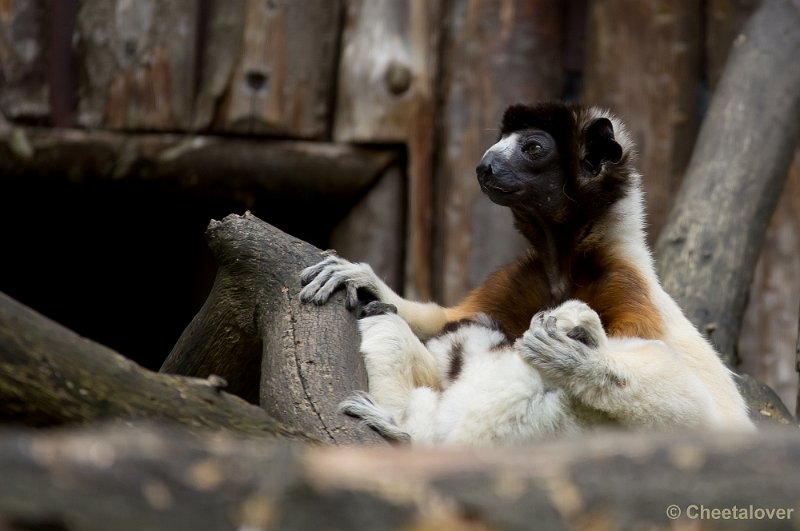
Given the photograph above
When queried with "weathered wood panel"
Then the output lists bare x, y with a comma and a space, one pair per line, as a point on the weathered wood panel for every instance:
372, 231
269, 67
498, 53
386, 94
643, 62
24, 94
137, 63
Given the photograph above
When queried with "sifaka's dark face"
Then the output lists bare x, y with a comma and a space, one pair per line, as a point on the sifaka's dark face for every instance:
523, 168
549, 165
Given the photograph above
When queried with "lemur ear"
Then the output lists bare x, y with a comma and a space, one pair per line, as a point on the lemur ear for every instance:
600, 145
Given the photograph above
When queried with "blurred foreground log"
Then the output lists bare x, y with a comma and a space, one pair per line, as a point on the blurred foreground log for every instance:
51, 376
707, 251
155, 478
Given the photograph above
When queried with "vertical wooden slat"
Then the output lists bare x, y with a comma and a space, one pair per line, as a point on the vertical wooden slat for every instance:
23, 60
643, 62
386, 94
269, 67
498, 52
137, 63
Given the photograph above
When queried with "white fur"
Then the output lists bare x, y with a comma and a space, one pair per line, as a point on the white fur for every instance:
547, 383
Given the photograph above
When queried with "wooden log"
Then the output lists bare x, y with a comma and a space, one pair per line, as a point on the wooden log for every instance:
474, 235
767, 335
51, 376
298, 360
155, 478
136, 63
222, 167
24, 93
372, 231
643, 63
269, 67
724, 22
708, 250
386, 94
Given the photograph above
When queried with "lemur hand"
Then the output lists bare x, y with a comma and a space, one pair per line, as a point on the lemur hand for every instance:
563, 341
325, 277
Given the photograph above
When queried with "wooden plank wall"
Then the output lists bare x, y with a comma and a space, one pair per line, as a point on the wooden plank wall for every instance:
386, 94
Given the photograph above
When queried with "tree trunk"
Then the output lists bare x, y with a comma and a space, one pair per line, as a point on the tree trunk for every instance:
51, 376
299, 361
147, 478
708, 250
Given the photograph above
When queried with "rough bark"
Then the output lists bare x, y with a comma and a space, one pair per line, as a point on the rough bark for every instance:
476, 236
269, 67
643, 62
299, 361
148, 478
224, 167
708, 250
51, 376
386, 93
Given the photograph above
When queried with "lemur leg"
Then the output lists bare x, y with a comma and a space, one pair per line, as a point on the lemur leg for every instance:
396, 360
322, 279
637, 382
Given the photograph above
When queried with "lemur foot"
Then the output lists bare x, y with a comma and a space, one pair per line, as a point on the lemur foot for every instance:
374, 308
324, 278
361, 406
561, 340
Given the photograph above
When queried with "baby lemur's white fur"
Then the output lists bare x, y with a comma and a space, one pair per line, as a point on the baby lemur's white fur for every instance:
521, 358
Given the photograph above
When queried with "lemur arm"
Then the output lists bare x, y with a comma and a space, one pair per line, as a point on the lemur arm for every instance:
322, 279
636, 381
510, 295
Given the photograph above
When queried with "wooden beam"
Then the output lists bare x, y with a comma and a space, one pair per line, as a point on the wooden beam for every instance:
223, 167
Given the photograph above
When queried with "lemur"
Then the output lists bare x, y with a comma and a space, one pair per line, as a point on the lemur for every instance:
576, 333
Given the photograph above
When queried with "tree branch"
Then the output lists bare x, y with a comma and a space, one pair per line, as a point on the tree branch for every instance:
51, 376
707, 252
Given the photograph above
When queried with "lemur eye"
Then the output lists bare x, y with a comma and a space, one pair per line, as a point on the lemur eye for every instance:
533, 149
